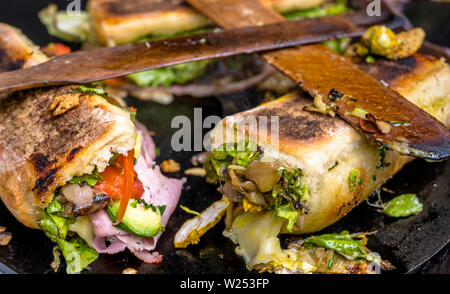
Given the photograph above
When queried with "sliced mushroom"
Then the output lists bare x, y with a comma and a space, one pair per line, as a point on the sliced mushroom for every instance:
264, 174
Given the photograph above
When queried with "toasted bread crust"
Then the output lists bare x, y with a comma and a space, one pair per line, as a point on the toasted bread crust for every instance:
314, 142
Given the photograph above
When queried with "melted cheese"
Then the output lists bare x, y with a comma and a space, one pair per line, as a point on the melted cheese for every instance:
256, 235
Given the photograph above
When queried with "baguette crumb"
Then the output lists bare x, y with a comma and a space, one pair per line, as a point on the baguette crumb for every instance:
195, 171
129, 271
5, 238
170, 166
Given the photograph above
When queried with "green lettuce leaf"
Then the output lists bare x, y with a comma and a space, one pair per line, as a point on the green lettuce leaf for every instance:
288, 212
77, 253
174, 74
91, 179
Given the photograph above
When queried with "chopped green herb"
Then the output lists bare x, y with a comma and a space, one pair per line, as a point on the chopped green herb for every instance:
157, 151
382, 152
86, 90
370, 59
334, 95
374, 178
331, 261
403, 205
397, 123
334, 165
137, 201
45, 83
354, 179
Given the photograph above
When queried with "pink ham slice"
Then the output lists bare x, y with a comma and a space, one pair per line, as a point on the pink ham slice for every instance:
159, 190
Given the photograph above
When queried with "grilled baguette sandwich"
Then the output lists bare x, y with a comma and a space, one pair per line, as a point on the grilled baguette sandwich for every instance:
118, 22
40, 151
72, 164
327, 149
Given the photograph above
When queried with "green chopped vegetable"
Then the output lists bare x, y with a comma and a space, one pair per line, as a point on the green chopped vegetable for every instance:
157, 151
54, 225
341, 243
288, 212
290, 196
54, 206
87, 90
131, 112
77, 253
354, 179
337, 45
91, 179
370, 59
399, 123
174, 74
331, 261
382, 152
241, 153
359, 112
380, 40
403, 205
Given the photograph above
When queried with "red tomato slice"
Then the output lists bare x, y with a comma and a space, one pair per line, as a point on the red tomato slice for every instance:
121, 183
55, 49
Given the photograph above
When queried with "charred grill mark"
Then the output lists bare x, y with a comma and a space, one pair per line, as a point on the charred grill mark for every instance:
296, 125
45, 181
73, 152
41, 162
